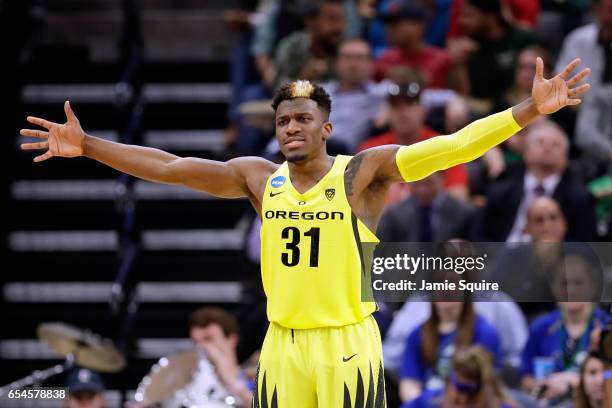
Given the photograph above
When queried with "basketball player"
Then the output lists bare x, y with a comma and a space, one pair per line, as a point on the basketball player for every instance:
323, 346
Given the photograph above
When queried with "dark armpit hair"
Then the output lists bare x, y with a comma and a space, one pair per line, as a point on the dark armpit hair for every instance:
303, 89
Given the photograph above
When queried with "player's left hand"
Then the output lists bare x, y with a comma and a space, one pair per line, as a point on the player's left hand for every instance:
550, 95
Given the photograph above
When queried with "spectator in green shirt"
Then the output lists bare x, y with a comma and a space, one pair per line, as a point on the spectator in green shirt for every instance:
491, 48
310, 53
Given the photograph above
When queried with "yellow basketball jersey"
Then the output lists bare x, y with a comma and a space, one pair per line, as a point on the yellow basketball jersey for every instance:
311, 257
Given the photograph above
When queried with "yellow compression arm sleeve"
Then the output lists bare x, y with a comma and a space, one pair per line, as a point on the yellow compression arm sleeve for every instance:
421, 159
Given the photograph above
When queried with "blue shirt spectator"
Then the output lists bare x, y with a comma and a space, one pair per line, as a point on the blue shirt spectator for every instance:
503, 314
435, 33
438, 25
376, 29
433, 399
548, 337
471, 383
414, 367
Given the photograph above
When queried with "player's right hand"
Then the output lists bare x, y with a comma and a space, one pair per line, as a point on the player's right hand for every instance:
61, 140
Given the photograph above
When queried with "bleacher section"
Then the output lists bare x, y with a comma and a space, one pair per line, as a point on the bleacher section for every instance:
74, 223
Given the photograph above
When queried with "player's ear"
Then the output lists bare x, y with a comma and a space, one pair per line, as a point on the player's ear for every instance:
327, 130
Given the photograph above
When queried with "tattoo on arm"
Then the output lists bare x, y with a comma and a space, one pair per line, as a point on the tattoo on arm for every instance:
351, 171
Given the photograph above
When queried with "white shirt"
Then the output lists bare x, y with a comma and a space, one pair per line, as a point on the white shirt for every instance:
517, 234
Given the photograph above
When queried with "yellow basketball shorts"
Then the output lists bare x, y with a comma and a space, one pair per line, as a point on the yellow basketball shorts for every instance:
328, 367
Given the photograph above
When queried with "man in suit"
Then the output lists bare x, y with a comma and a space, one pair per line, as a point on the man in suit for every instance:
428, 215
523, 270
545, 173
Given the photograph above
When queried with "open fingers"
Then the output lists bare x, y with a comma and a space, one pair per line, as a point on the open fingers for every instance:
578, 77
43, 157
569, 68
41, 122
578, 90
574, 102
539, 75
70, 113
35, 146
34, 133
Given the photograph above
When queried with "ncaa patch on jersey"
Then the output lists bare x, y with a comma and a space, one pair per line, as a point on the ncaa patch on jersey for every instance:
330, 193
277, 181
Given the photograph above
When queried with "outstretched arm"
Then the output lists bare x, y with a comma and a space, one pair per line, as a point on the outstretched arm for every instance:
223, 179
394, 163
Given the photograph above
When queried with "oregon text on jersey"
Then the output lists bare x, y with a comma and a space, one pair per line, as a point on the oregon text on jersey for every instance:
305, 215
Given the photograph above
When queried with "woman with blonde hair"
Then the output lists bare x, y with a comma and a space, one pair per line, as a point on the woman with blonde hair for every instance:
429, 348
472, 383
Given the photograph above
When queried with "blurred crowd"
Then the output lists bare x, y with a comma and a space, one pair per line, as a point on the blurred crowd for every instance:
400, 72
404, 71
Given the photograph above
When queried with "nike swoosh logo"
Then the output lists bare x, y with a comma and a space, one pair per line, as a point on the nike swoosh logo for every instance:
345, 359
273, 194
